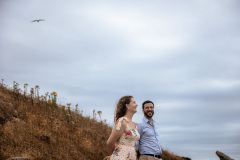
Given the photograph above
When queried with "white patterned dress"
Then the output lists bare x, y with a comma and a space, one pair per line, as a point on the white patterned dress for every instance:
125, 145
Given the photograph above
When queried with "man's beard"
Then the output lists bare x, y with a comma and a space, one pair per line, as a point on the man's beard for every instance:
146, 114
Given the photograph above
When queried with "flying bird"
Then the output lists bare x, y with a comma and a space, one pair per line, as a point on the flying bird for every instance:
38, 20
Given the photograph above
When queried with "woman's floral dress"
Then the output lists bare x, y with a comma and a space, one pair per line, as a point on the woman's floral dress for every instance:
125, 145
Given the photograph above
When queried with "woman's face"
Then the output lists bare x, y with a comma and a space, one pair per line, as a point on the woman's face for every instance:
132, 106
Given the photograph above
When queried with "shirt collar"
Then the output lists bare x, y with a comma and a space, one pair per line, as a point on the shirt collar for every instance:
146, 120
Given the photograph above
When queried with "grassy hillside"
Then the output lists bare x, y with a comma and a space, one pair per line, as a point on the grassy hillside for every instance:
37, 127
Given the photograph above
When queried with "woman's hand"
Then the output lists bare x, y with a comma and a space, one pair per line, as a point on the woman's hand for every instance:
107, 158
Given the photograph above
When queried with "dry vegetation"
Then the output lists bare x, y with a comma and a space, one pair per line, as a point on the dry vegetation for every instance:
37, 127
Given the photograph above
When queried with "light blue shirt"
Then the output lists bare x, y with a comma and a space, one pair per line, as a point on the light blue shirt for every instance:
149, 139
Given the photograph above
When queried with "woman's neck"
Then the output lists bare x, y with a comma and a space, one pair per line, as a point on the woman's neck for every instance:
129, 116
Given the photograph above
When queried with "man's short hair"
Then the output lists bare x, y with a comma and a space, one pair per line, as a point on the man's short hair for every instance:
147, 101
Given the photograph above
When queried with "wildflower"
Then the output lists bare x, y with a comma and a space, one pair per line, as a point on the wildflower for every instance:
32, 91
76, 107
54, 93
37, 90
99, 113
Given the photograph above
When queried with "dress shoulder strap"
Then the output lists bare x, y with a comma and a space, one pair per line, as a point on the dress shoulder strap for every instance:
119, 122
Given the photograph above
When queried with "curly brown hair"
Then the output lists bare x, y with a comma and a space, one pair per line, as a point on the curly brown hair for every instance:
121, 108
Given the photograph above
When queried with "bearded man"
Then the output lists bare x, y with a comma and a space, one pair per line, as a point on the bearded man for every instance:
148, 147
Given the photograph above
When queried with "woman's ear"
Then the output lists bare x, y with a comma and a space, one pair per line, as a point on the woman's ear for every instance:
126, 106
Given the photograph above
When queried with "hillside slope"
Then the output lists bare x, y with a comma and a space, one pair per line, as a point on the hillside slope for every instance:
36, 127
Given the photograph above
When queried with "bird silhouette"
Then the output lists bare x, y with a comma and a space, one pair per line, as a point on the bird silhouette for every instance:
38, 20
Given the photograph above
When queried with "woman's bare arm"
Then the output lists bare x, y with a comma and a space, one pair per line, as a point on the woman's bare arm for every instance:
115, 135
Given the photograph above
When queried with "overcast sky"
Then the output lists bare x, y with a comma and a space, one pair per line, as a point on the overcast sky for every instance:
183, 55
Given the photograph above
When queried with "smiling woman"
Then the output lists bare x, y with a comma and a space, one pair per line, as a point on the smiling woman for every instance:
122, 141
121, 108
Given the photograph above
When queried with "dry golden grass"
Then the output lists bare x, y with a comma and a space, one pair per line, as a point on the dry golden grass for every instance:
167, 155
37, 128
